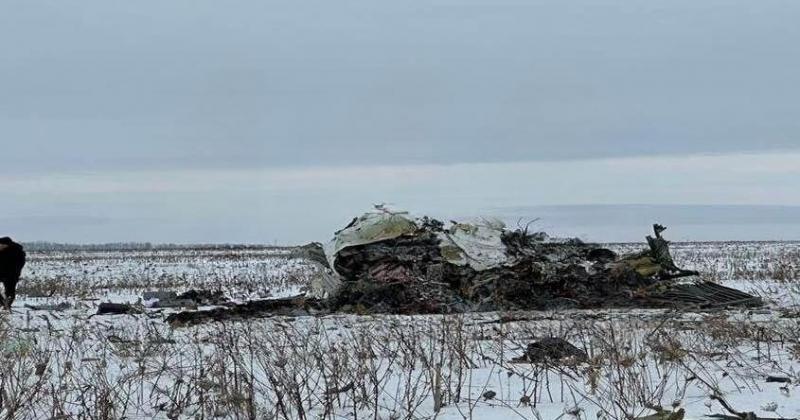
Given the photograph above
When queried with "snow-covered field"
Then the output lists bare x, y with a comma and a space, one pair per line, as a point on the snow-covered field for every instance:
64, 363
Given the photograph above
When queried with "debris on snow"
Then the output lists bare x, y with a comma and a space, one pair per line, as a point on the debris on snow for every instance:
174, 303
552, 351
189, 299
391, 262
703, 295
313, 251
293, 306
159, 295
109, 308
203, 297
489, 395
779, 380
60, 307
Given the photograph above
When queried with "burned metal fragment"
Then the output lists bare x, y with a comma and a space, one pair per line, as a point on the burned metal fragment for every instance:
703, 295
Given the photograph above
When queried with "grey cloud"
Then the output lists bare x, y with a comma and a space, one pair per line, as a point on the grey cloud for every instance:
100, 85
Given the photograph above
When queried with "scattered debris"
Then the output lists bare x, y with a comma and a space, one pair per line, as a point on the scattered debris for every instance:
189, 299
347, 388
778, 380
552, 351
109, 308
293, 306
159, 295
313, 251
41, 368
204, 297
63, 306
702, 295
390, 262
174, 303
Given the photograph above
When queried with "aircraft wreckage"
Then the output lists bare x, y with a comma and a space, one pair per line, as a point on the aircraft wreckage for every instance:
391, 262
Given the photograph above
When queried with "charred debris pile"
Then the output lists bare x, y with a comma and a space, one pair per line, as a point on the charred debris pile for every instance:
391, 262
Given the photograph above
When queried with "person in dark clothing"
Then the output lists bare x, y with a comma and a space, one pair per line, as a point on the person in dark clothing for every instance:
12, 260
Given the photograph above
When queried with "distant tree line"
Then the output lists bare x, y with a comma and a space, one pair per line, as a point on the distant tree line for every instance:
43, 246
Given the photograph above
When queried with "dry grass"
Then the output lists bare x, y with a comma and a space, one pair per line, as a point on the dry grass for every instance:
66, 365
394, 367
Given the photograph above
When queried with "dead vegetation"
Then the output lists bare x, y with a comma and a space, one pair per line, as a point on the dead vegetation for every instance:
653, 365
393, 367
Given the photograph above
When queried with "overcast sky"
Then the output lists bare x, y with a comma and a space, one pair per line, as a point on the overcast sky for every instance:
199, 120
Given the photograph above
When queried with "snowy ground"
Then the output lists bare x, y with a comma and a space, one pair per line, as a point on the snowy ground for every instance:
69, 364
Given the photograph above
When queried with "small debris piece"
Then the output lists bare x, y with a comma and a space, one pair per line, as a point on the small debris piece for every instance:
159, 295
489, 395
41, 368
311, 252
552, 351
347, 388
294, 306
602, 255
109, 308
174, 303
63, 306
204, 297
778, 380
703, 295
188, 299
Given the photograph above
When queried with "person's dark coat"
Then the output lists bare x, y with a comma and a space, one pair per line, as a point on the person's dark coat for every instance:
12, 260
